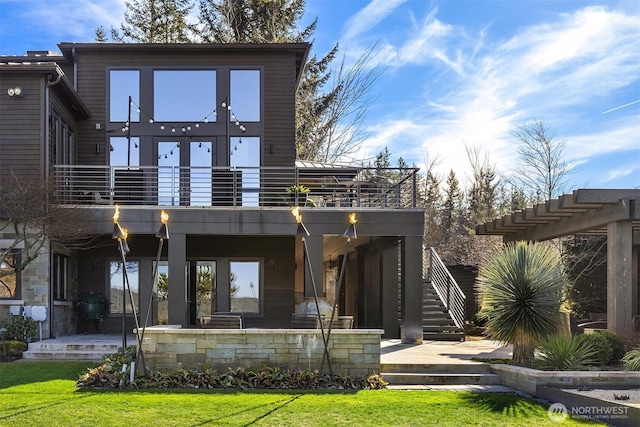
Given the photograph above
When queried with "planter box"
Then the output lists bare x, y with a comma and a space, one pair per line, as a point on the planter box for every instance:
529, 380
352, 351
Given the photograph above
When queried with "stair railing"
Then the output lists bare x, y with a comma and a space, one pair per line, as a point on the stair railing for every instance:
447, 288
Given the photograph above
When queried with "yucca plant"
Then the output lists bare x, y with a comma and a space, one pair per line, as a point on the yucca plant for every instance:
631, 360
521, 293
566, 353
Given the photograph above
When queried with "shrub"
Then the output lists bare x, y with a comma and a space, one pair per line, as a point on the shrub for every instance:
521, 293
566, 353
19, 327
11, 350
609, 346
631, 360
110, 375
601, 346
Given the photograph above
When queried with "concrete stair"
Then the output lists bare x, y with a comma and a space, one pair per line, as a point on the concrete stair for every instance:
94, 349
470, 373
437, 324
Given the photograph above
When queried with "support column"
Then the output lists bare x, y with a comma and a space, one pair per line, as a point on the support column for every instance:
314, 246
411, 327
390, 289
177, 298
620, 308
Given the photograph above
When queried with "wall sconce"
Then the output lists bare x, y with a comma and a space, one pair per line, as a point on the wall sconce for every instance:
98, 148
15, 92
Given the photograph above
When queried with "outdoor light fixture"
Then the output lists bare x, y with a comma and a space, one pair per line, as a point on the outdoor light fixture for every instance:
163, 232
350, 233
302, 230
15, 92
117, 230
123, 240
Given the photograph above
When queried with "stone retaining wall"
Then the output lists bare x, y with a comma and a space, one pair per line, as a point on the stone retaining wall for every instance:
352, 351
528, 380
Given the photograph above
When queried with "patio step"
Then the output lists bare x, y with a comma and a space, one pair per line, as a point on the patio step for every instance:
77, 347
472, 373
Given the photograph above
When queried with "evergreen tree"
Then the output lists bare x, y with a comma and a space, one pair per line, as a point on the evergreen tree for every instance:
155, 21
452, 217
101, 34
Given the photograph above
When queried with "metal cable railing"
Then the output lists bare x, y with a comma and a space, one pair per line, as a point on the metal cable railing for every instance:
234, 186
447, 288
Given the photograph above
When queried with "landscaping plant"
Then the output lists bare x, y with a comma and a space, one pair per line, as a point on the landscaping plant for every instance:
521, 289
19, 327
567, 353
631, 360
111, 375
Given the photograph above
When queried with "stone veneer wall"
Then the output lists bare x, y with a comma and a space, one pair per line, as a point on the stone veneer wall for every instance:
353, 351
529, 380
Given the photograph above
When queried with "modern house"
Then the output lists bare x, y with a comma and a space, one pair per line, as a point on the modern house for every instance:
205, 132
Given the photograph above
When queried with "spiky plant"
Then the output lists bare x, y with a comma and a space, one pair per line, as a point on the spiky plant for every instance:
521, 293
567, 353
631, 360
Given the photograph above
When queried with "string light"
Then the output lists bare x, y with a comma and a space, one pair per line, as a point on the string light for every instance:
189, 127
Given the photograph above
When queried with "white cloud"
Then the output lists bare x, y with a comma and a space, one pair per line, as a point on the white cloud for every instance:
368, 17
552, 71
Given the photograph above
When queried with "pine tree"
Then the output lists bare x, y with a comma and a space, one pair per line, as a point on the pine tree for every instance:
155, 21
101, 34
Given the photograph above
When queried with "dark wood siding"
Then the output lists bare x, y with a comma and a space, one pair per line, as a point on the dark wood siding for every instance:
21, 135
278, 93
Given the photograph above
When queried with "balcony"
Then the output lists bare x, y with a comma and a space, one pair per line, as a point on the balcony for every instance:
251, 187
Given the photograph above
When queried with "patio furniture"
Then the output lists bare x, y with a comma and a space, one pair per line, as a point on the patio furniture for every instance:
221, 321
342, 322
306, 321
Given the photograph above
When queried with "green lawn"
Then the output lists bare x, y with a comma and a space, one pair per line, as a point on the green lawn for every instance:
44, 394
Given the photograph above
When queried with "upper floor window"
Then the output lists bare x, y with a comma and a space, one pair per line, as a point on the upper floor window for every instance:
9, 279
122, 85
124, 152
184, 95
245, 95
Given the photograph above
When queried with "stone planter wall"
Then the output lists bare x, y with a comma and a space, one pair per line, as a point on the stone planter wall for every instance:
528, 380
353, 351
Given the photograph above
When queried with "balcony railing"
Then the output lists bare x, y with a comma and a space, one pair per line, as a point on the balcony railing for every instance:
235, 186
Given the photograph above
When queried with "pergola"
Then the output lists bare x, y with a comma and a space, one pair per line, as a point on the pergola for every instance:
614, 213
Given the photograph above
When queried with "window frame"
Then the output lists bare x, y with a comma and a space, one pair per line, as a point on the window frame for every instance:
260, 261
18, 276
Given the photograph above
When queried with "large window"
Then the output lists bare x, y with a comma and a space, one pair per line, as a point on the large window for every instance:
62, 138
118, 290
124, 152
245, 286
59, 271
9, 280
168, 173
245, 156
184, 95
245, 95
122, 85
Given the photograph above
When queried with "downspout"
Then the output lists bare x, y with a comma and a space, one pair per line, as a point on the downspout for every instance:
47, 110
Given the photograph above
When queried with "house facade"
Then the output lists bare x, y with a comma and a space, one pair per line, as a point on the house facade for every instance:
205, 132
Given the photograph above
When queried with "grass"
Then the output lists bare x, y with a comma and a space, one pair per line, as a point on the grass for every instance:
44, 394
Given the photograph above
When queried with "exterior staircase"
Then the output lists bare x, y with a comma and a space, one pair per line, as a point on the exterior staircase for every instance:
437, 323
93, 348
439, 374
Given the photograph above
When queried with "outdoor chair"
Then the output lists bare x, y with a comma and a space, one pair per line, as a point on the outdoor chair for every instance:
306, 321
221, 321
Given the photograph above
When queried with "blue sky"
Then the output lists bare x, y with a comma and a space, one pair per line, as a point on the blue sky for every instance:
457, 73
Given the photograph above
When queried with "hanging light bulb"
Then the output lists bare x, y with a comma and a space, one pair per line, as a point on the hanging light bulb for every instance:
200, 145
150, 120
124, 129
138, 110
197, 125
208, 150
172, 152
228, 107
240, 141
184, 129
178, 145
242, 128
224, 104
173, 129
165, 156
206, 120
237, 123
161, 127
188, 127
